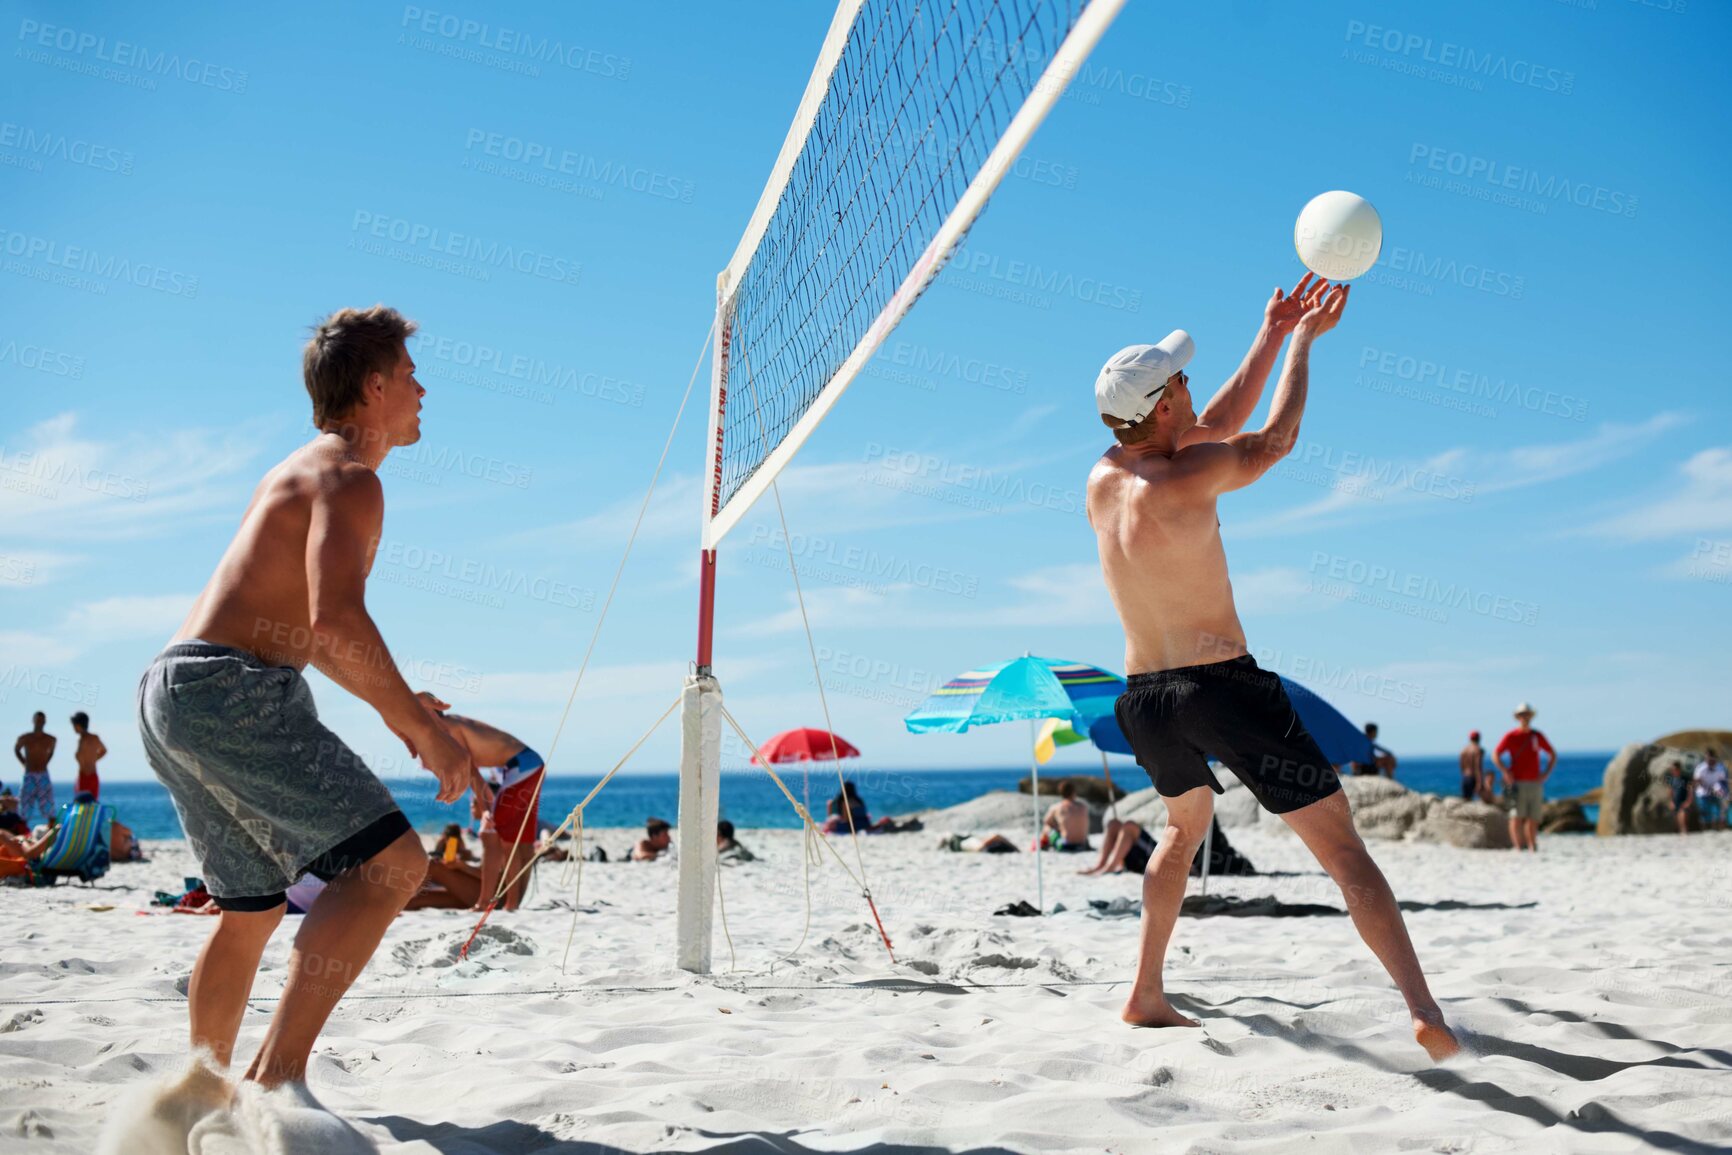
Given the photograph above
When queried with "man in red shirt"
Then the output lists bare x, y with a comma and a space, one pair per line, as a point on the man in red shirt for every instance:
1523, 780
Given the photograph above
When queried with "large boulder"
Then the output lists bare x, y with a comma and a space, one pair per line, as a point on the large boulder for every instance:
1382, 807
1467, 823
1699, 740
1089, 788
998, 812
1003, 812
1564, 816
1634, 798
1144, 807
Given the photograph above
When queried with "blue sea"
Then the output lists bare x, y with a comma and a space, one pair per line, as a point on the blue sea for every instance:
751, 800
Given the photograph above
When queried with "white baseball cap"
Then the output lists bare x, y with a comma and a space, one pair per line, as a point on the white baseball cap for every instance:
1132, 380
1524, 708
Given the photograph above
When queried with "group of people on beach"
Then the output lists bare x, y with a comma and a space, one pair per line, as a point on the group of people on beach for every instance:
1703, 793
34, 749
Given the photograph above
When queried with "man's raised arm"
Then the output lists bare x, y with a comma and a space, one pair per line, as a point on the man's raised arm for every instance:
347, 515
1232, 405
1244, 457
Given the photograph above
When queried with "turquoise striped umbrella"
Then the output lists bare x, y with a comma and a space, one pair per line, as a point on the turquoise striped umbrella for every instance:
1023, 689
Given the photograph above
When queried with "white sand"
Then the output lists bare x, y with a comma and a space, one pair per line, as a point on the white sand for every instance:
1602, 1016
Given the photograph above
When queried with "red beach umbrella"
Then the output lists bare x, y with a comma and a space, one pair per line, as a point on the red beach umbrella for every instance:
805, 745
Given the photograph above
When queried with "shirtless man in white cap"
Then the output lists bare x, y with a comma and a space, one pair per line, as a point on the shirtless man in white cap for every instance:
1194, 690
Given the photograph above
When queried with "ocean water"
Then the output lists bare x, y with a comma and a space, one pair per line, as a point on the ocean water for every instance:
750, 799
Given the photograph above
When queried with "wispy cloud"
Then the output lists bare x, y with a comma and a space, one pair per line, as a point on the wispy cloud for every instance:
85, 627
1278, 590
1061, 595
1368, 488
32, 568
114, 619
1699, 502
56, 484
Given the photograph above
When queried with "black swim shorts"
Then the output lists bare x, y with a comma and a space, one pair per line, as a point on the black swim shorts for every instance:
1234, 712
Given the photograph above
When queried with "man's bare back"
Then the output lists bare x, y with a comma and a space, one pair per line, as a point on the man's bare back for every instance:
1072, 819
90, 751
257, 600
1151, 499
1146, 523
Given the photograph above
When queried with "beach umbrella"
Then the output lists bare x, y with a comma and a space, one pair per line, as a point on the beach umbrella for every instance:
1023, 689
1057, 732
1028, 688
1053, 733
805, 745
1340, 740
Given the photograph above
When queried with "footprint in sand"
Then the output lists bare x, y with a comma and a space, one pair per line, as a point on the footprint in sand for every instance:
21, 1020
490, 941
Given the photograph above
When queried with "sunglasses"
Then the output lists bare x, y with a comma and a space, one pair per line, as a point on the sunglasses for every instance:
1162, 387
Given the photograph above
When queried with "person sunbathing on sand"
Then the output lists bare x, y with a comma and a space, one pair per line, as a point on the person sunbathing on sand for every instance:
508, 806
1068, 819
1193, 686
1124, 846
656, 841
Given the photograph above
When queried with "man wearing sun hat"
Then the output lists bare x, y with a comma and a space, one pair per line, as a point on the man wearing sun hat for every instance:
1194, 691
1523, 780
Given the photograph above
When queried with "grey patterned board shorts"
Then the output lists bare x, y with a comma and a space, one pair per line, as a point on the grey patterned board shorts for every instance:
264, 791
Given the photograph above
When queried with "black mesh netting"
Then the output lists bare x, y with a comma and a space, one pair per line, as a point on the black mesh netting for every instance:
918, 100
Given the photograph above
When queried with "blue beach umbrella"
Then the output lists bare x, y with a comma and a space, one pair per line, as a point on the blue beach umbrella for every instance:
1025, 689
1340, 740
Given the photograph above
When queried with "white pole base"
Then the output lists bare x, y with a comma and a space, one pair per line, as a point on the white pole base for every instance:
700, 794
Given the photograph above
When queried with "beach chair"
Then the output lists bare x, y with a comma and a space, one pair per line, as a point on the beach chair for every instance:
80, 848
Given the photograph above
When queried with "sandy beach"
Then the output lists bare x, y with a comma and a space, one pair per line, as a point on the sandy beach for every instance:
1592, 984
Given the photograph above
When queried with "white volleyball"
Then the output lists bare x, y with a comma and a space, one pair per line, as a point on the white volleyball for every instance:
1338, 235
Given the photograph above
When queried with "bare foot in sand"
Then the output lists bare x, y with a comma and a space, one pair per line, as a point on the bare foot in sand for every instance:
1437, 1039
1154, 1012
157, 1118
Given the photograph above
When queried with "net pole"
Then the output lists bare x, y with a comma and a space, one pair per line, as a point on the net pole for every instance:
700, 709
700, 781
1039, 822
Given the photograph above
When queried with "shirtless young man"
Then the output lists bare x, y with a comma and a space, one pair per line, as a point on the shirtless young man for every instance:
263, 789
509, 832
34, 750
1069, 819
1194, 689
88, 753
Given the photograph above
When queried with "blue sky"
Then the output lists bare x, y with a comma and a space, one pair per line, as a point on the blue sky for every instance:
1514, 479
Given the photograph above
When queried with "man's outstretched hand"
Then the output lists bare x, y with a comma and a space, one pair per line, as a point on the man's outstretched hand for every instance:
1284, 309
1322, 316
447, 759
433, 745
